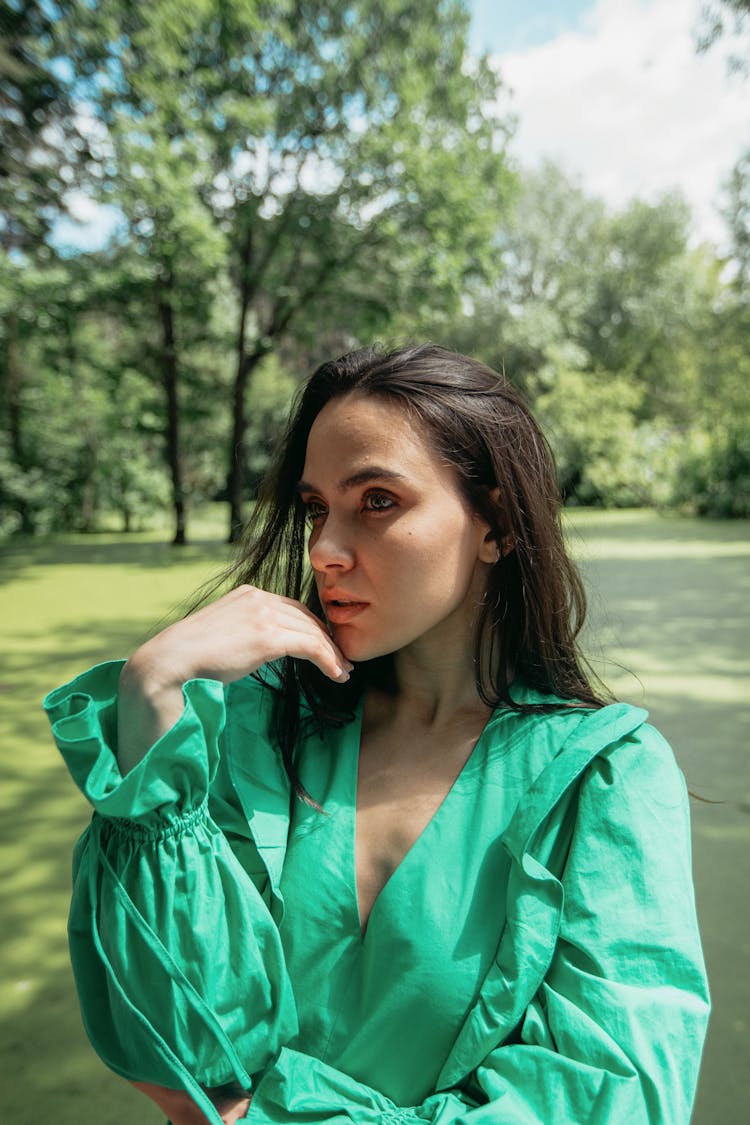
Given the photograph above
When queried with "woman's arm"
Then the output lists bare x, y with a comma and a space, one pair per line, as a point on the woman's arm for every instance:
177, 960
182, 1110
224, 641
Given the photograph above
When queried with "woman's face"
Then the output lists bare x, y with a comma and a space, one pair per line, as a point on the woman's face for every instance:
398, 553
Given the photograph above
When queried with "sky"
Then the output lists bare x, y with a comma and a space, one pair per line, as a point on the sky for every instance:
614, 92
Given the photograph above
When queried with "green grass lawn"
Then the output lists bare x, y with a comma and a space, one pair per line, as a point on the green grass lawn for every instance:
668, 628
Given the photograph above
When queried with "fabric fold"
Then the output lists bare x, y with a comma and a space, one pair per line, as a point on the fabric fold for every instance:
177, 950
172, 777
572, 1022
177, 960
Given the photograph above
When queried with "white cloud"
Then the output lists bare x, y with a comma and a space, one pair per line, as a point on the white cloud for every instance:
626, 105
87, 226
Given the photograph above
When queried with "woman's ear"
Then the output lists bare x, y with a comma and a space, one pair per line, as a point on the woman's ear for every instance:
494, 546
507, 544
492, 550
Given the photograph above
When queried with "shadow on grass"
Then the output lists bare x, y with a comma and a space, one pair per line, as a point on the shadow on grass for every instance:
690, 615
680, 625
86, 642
65, 1078
49, 1069
624, 525
711, 741
106, 550
678, 621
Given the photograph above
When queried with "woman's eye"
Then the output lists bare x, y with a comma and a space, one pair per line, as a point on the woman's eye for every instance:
314, 510
378, 502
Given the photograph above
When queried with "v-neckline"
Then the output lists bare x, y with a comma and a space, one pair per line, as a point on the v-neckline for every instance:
353, 785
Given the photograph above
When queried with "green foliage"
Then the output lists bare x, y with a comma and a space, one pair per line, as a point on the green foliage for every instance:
129, 471
730, 19
714, 476
20, 490
637, 317
41, 146
87, 432
269, 404
297, 178
588, 417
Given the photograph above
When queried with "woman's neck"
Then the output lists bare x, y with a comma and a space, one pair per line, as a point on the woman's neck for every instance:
435, 683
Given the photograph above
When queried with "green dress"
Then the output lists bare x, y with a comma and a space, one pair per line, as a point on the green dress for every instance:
534, 958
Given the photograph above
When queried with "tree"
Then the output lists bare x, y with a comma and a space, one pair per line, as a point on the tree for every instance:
603, 319
343, 149
42, 149
640, 315
727, 18
737, 215
41, 152
170, 264
715, 478
90, 427
552, 250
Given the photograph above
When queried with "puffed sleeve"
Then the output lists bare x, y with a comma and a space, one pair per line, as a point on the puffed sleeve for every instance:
177, 960
603, 911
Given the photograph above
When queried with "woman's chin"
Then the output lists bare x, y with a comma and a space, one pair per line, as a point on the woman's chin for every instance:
357, 653
358, 648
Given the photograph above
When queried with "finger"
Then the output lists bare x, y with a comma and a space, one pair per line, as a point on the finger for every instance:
320, 627
281, 600
287, 615
321, 652
275, 626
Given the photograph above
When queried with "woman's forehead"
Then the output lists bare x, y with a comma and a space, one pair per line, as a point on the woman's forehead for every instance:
356, 432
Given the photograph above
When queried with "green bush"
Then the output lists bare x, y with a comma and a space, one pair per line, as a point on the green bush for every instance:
589, 417
714, 478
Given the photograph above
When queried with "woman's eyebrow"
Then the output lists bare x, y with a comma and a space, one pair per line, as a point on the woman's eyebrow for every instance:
362, 476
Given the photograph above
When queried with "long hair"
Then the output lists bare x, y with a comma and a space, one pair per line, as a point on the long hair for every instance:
535, 602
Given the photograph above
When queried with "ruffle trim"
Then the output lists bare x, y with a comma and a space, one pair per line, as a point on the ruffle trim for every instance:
123, 828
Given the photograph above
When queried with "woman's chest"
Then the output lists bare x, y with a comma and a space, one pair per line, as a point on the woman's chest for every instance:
401, 935
398, 795
418, 823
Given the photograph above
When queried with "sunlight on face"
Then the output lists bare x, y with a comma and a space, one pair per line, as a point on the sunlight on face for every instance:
398, 553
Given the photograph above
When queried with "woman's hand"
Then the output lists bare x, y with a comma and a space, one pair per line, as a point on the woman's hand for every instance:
182, 1110
224, 641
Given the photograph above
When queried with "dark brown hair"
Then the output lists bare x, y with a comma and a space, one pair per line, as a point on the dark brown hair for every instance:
535, 603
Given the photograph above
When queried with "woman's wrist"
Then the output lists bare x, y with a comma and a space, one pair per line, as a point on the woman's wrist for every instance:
147, 708
182, 1110
152, 672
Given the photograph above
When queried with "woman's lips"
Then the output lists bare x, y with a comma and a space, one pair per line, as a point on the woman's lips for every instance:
340, 614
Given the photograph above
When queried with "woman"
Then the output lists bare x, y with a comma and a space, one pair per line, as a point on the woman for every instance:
368, 845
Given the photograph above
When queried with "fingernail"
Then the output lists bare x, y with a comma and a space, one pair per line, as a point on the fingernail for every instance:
342, 676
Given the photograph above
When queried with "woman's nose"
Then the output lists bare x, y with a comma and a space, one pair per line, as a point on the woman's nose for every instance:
330, 548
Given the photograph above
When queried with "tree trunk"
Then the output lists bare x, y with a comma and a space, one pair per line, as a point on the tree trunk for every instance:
13, 409
235, 475
89, 499
169, 377
277, 324
236, 459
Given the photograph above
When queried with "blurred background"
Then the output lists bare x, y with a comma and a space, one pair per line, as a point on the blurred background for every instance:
199, 202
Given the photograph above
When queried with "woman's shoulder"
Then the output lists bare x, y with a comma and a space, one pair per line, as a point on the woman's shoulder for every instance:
610, 748
578, 721
604, 766
543, 717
